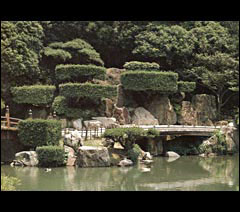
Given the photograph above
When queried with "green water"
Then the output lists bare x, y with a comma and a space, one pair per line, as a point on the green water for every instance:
188, 173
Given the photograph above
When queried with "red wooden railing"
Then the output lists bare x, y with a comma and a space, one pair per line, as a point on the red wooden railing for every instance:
8, 122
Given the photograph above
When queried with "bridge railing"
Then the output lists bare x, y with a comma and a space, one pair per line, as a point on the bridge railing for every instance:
7, 121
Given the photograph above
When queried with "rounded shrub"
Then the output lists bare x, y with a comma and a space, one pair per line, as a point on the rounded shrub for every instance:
156, 81
34, 94
186, 86
145, 66
51, 156
76, 90
39, 132
76, 73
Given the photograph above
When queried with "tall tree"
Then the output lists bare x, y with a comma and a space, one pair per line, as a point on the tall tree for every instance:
21, 42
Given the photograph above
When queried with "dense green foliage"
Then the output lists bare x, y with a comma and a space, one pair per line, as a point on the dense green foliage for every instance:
76, 51
87, 90
62, 108
21, 42
39, 132
34, 94
144, 80
205, 52
145, 66
186, 86
9, 183
51, 156
219, 148
134, 153
79, 73
127, 137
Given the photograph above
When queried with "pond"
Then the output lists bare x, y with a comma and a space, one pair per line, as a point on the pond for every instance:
188, 173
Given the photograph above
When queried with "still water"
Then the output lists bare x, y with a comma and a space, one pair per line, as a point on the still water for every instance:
188, 173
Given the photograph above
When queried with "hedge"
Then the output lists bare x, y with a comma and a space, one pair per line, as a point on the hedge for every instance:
72, 90
39, 132
66, 73
145, 66
34, 94
143, 80
51, 156
60, 106
186, 86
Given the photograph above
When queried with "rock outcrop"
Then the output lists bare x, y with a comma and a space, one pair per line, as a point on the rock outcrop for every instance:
125, 162
205, 107
89, 156
231, 141
187, 115
27, 158
92, 124
122, 115
172, 154
200, 111
162, 109
107, 122
77, 124
71, 156
109, 107
143, 117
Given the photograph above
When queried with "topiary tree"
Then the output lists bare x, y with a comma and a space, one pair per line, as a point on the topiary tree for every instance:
76, 52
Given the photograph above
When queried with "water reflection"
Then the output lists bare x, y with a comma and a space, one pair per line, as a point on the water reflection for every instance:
185, 173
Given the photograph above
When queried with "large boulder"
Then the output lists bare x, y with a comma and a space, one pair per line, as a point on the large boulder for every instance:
73, 139
187, 114
114, 75
27, 158
92, 124
71, 156
125, 162
200, 111
162, 109
205, 107
121, 96
109, 107
89, 156
122, 115
143, 117
232, 143
172, 154
107, 122
77, 124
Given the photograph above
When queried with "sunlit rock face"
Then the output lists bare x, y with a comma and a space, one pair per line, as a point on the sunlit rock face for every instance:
28, 158
88, 156
200, 111
143, 117
162, 109
205, 107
